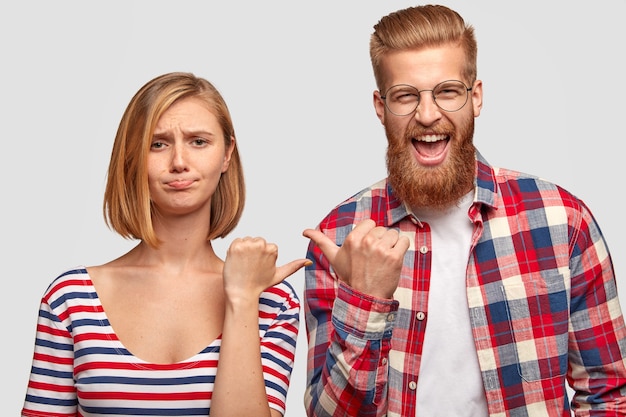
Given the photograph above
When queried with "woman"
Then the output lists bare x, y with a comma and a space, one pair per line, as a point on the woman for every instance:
142, 334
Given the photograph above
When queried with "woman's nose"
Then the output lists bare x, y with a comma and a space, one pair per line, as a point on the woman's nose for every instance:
178, 158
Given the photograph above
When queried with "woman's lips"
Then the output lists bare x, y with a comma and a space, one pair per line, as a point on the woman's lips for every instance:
180, 184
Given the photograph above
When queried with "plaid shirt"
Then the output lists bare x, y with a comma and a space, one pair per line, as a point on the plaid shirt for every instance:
542, 298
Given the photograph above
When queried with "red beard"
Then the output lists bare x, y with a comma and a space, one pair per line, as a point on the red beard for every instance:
434, 187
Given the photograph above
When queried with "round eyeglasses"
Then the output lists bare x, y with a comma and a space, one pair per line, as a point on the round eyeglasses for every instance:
403, 99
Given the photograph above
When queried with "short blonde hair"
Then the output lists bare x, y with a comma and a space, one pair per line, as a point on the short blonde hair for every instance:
420, 27
127, 205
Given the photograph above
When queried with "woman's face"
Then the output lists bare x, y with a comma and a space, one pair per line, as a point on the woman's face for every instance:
187, 157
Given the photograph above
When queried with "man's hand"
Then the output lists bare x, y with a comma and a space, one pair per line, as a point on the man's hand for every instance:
370, 259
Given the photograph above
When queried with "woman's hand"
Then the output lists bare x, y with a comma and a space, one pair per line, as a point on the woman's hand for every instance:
250, 267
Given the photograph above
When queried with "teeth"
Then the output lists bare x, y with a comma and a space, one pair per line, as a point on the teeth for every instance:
431, 138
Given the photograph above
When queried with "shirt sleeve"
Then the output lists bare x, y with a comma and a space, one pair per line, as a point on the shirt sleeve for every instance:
278, 342
51, 391
349, 336
597, 371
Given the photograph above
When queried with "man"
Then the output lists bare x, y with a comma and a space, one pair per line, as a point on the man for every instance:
452, 287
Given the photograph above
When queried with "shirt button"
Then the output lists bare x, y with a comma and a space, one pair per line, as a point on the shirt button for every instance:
390, 317
424, 249
420, 315
412, 385
384, 361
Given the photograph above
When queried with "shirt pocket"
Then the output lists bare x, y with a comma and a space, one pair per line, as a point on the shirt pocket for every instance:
538, 313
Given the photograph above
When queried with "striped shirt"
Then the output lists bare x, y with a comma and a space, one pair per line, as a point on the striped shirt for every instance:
80, 368
542, 299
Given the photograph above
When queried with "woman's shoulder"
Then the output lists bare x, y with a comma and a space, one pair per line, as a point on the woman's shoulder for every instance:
77, 275
70, 282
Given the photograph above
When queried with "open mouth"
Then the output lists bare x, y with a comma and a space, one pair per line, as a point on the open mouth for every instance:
431, 146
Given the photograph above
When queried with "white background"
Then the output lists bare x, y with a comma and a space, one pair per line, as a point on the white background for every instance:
299, 84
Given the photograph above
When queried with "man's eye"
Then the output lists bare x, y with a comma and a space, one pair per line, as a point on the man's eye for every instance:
404, 97
157, 145
448, 93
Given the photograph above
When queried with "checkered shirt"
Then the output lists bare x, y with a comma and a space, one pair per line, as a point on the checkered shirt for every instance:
542, 298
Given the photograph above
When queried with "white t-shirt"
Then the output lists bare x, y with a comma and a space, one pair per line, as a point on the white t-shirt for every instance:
449, 382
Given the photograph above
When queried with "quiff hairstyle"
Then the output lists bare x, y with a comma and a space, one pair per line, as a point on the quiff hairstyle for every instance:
420, 27
127, 205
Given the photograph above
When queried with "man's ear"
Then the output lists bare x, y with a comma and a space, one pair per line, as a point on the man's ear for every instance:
477, 97
379, 106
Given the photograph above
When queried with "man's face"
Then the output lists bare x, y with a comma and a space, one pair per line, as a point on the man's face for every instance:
431, 156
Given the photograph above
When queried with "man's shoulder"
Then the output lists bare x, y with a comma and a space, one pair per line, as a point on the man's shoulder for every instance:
370, 202
524, 190
378, 190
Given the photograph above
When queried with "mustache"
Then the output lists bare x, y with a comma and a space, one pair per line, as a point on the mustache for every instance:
443, 129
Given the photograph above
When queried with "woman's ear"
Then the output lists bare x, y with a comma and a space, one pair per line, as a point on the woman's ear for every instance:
228, 154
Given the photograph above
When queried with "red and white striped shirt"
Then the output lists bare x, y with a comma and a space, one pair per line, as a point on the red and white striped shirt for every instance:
80, 368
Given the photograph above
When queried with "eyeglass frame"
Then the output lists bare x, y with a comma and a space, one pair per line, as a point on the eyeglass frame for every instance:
419, 97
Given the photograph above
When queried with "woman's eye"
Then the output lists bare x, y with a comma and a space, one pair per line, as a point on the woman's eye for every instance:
199, 141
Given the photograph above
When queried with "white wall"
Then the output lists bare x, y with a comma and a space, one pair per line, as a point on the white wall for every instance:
298, 82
